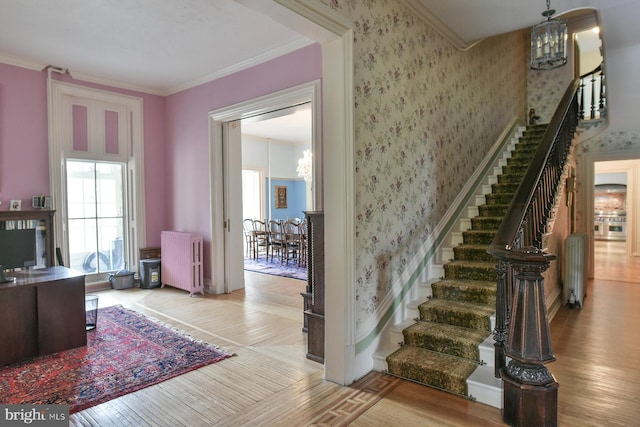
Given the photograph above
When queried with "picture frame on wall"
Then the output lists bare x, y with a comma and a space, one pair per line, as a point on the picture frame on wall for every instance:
281, 196
15, 205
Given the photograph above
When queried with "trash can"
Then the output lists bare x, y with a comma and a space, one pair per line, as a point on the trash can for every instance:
122, 279
150, 273
91, 311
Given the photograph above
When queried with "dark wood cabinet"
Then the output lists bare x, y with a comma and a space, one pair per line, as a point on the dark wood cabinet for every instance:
314, 314
42, 312
42, 221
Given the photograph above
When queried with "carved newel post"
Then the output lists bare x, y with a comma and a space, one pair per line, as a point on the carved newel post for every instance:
530, 390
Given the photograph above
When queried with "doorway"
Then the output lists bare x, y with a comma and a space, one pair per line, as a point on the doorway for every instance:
615, 214
276, 188
226, 139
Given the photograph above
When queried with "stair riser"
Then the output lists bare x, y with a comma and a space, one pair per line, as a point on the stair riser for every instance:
471, 254
487, 223
493, 210
510, 188
478, 237
455, 318
432, 377
498, 199
465, 273
443, 345
512, 178
475, 295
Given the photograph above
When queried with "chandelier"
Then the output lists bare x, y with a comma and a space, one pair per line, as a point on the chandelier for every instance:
549, 42
305, 168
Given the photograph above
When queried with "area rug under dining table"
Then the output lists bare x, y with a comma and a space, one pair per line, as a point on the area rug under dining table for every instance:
126, 352
276, 268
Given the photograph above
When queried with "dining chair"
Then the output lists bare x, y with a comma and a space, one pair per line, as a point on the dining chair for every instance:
261, 235
292, 244
249, 237
276, 238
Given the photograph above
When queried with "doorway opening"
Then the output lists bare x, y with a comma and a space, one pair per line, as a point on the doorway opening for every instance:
227, 127
615, 213
277, 189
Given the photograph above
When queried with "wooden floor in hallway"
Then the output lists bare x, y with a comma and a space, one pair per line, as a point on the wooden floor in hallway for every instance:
271, 383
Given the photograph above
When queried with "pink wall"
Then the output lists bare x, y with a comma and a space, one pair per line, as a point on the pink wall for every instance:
24, 158
176, 138
188, 133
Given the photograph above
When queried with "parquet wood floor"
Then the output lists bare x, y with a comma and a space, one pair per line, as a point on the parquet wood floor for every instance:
271, 383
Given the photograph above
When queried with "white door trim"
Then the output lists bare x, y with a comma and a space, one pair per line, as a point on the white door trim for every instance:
309, 92
338, 201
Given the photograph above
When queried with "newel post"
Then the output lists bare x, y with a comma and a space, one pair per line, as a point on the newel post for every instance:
530, 390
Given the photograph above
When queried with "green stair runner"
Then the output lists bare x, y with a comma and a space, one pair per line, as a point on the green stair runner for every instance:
441, 349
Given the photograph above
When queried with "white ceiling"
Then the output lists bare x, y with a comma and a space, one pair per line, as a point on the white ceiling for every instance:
164, 46
158, 46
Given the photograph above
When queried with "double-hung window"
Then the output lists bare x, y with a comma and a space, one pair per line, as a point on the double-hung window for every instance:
97, 178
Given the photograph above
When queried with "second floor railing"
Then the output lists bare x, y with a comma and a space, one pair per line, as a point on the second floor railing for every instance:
592, 95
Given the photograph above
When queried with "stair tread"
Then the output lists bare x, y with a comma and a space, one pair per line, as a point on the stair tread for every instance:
434, 369
475, 264
448, 331
466, 283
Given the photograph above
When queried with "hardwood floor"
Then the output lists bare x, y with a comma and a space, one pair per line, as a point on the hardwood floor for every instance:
271, 383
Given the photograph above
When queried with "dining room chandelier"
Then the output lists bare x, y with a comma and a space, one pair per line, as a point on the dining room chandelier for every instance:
549, 42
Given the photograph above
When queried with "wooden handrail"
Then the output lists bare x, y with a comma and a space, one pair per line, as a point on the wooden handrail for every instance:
522, 329
513, 221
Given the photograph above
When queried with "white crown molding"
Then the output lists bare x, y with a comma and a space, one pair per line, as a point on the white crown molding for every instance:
443, 29
267, 56
22, 63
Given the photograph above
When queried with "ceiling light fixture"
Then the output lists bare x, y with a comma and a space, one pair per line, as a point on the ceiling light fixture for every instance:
549, 42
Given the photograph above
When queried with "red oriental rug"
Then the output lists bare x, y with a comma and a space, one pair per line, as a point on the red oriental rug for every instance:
126, 352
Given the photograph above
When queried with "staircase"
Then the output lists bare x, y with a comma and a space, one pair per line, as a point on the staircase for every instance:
441, 349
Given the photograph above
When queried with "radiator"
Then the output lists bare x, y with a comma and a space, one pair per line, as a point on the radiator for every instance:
575, 264
181, 265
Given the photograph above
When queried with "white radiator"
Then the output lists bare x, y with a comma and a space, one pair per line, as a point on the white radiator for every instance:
181, 265
575, 268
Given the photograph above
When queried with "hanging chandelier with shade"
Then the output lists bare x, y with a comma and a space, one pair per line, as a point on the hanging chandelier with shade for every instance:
549, 42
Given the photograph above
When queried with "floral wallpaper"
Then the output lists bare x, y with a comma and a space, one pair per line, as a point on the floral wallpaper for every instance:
425, 115
545, 90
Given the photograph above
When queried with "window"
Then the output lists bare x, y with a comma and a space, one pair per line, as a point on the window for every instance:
96, 222
252, 194
96, 161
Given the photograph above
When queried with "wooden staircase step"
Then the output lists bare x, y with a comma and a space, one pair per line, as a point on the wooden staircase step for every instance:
471, 270
475, 291
486, 222
493, 210
471, 252
482, 237
511, 178
457, 313
507, 187
499, 198
447, 339
437, 370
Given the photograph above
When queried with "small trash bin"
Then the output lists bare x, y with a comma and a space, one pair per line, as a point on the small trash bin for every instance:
91, 311
150, 273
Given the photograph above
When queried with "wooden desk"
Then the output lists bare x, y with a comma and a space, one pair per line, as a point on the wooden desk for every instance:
42, 312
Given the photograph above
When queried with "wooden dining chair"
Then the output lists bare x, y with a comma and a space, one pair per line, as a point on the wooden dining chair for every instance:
291, 248
276, 238
261, 235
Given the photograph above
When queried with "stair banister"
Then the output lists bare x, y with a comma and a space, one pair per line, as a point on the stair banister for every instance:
517, 246
596, 80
